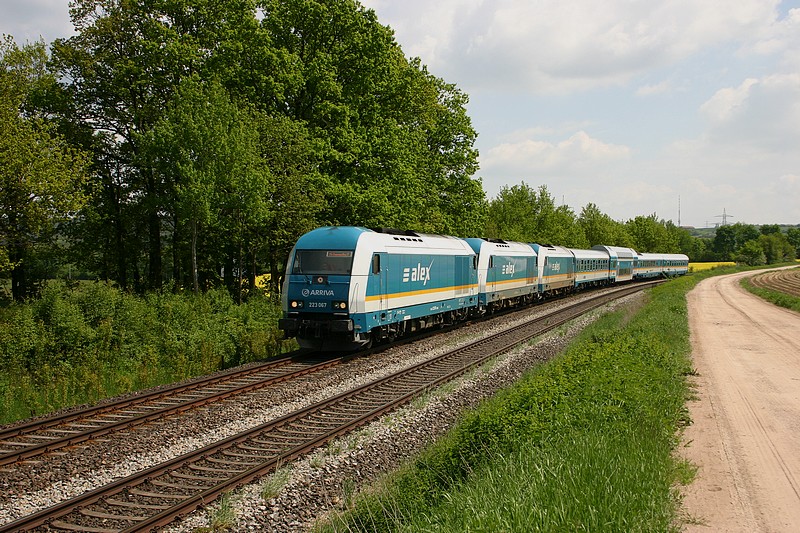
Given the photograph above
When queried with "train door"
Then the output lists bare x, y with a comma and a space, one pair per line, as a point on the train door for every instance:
380, 271
491, 277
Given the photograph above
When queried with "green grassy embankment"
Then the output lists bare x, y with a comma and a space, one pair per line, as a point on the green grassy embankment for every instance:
585, 442
80, 345
776, 297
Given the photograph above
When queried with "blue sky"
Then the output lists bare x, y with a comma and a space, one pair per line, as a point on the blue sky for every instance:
629, 104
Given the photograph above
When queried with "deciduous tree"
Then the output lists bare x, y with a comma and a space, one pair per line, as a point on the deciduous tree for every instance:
42, 178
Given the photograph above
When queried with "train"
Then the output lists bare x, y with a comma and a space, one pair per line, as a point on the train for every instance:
347, 287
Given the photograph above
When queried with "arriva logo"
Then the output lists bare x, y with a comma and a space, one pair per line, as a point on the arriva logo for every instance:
317, 292
417, 273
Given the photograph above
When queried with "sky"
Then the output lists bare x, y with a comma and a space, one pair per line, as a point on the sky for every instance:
683, 108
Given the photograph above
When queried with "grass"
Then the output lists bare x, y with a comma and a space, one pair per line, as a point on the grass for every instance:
776, 297
585, 442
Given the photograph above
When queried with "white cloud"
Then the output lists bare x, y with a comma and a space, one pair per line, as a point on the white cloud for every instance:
759, 112
31, 20
726, 102
531, 157
551, 46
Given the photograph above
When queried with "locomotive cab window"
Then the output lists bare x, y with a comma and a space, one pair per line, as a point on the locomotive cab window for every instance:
376, 264
335, 262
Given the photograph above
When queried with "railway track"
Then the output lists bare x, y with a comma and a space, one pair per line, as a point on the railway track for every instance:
155, 497
785, 281
42, 436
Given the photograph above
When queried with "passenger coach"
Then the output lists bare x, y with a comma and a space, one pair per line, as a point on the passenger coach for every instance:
507, 273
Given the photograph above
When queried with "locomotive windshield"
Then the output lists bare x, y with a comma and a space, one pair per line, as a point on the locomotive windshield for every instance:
323, 262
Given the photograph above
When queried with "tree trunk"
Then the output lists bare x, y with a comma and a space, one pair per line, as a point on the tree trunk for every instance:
195, 280
177, 273
154, 274
19, 278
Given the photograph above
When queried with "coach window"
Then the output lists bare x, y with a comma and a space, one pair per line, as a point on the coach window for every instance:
376, 264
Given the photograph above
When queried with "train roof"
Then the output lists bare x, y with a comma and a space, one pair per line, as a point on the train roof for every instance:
331, 237
499, 245
398, 241
618, 252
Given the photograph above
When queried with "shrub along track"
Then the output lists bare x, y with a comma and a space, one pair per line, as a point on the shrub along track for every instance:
154, 497
785, 281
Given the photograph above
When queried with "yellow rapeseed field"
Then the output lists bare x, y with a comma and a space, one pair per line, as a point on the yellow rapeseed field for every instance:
697, 267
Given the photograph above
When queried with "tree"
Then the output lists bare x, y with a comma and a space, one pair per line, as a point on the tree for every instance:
42, 178
751, 254
770, 229
395, 143
600, 228
521, 213
793, 236
651, 235
206, 149
724, 244
776, 247
123, 68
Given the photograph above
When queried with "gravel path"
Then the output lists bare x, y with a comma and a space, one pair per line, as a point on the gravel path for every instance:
745, 435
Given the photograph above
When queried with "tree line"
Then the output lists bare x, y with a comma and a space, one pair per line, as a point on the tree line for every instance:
190, 143
186, 145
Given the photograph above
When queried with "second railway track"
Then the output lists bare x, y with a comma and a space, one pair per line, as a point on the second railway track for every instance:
46, 435
154, 497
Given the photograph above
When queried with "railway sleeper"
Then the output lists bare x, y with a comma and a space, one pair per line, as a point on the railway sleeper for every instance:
137, 505
232, 463
181, 486
108, 516
212, 479
230, 453
60, 524
158, 495
209, 469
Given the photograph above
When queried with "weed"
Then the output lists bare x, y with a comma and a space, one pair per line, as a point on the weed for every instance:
275, 482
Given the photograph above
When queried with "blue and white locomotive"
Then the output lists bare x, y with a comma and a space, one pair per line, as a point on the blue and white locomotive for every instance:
347, 287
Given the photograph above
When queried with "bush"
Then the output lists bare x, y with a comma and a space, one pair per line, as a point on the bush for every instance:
79, 345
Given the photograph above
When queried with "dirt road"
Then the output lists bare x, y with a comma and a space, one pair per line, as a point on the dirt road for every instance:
746, 432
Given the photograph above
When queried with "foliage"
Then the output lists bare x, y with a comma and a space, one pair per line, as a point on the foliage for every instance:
521, 213
76, 346
41, 177
745, 243
221, 131
651, 235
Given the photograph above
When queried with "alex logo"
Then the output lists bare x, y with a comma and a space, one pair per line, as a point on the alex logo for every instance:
508, 269
417, 273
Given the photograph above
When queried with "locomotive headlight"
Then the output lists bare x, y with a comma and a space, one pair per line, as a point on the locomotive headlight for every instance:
296, 304
340, 305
